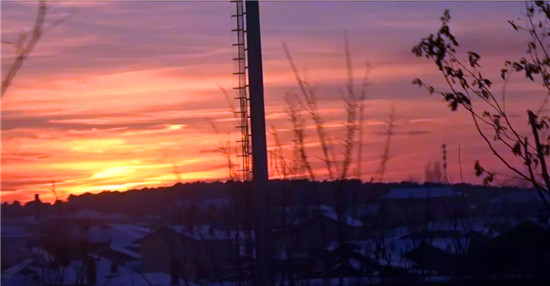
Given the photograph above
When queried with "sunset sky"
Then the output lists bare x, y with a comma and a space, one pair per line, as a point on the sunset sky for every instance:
118, 95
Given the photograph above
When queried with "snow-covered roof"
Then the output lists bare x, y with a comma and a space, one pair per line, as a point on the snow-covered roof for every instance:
127, 252
17, 268
86, 214
452, 245
89, 214
308, 208
123, 276
205, 203
120, 236
14, 232
422, 193
19, 221
327, 212
346, 219
207, 232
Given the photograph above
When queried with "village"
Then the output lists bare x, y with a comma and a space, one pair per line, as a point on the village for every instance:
308, 173
399, 234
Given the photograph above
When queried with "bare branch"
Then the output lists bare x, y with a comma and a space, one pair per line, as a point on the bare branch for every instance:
386, 154
351, 112
298, 128
361, 110
312, 109
25, 47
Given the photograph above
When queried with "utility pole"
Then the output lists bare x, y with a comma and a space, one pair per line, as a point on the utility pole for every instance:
259, 146
256, 87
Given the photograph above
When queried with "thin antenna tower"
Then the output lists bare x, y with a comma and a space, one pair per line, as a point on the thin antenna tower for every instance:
240, 90
445, 179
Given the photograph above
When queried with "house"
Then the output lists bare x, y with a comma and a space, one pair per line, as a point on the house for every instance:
418, 205
120, 239
198, 252
309, 234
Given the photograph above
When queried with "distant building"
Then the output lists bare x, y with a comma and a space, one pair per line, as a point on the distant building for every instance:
120, 239
200, 252
317, 229
417, 205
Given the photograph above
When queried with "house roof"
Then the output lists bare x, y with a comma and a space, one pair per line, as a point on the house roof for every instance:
205, 232
346, 219
422, 193
331, 214
14, 232
120, 235
201, 233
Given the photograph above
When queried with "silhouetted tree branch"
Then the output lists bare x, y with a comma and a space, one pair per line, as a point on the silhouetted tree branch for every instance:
350, 100
470, 90
311, 107
297, 121
361, 120
386, 154
225, 150
26, 42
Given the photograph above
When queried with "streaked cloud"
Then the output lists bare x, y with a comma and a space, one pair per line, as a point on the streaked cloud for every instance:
118, 95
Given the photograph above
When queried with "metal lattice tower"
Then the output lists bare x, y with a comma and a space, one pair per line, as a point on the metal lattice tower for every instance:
240, 90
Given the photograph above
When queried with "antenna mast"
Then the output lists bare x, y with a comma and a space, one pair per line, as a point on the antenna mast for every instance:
252, 111
445, 178
256, 89
241, 89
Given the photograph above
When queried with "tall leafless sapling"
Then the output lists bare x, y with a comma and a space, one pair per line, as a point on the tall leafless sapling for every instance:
386, 153
224, 147
311, 106
297, 121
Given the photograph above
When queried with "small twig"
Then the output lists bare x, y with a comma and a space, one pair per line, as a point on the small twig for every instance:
386, 154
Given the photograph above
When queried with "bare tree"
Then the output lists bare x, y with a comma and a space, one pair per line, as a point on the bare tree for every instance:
311, 106
470, 90
350, 100
225, 149
281, 167
432, 172
386, 154
354, 101
361, 121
